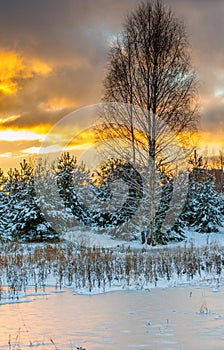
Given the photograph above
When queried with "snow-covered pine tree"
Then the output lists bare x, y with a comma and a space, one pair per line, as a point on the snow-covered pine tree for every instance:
74, 185
197, 172
102, 200
11, 188
169, 231
208, 215
222, 203
189, 213
25, 221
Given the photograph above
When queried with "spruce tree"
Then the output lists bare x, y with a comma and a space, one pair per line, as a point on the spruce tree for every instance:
208, 216
25, 221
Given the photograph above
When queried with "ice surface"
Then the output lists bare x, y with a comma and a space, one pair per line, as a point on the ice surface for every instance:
162, 318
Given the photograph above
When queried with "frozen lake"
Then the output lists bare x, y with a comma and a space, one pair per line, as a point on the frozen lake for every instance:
158, 319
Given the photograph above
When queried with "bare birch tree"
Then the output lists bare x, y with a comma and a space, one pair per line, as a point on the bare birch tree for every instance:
149, 71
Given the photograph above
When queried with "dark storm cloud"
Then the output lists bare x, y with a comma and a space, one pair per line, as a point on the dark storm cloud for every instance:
71, 28
213, 118
205, 25
73, 36
56, 29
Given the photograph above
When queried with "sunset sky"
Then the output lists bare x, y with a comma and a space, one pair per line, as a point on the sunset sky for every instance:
53, 59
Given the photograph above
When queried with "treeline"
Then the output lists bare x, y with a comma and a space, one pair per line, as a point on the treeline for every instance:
89, 199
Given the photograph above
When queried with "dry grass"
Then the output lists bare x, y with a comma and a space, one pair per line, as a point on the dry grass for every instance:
23, 266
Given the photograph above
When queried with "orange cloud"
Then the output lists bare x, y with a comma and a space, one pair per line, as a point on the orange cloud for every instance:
57, 104
14, 67
9, 118
11, 67
39, 67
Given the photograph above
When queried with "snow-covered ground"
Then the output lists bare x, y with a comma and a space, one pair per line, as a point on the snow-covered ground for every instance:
178, 313
118, 266
91, 238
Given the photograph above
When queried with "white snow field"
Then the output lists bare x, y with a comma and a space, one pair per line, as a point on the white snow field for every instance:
161, 318
91, 238
176, 314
